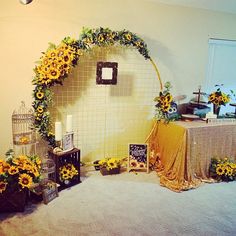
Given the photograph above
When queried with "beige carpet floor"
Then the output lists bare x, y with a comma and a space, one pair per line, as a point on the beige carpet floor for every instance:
128, 204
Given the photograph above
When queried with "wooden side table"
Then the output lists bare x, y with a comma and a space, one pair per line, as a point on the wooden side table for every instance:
70, 158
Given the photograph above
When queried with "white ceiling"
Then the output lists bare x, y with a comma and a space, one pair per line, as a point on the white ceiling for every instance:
215, 5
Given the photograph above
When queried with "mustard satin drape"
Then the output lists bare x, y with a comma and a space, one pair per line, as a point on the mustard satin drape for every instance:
168, 141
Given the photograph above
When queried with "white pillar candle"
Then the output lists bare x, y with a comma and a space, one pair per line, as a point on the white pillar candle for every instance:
69, 123
58, 131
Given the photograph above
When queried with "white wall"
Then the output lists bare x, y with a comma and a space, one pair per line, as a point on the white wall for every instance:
176, 36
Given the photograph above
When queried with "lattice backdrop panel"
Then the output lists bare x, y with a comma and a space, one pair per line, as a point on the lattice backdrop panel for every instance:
108, 117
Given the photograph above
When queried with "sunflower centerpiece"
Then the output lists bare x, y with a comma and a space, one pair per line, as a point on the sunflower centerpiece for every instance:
18, 173
218, 98
223, 169
166, 108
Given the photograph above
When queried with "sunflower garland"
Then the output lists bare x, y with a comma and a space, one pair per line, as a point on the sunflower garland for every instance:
223, 169
57, 62
19, 172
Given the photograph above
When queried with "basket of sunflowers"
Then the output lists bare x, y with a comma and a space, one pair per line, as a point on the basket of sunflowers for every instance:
110, 166
223, 169
17, 176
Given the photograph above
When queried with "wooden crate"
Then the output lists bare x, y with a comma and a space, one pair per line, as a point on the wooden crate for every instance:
61, 159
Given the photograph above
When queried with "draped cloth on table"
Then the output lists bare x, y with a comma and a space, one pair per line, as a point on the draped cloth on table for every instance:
168, 141
182, 151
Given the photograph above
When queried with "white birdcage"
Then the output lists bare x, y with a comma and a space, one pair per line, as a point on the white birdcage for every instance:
23, 131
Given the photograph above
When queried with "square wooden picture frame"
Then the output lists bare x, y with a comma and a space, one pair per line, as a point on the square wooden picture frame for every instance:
99, 75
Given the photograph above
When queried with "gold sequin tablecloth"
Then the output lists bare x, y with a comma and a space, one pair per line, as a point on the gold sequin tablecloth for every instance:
182, 151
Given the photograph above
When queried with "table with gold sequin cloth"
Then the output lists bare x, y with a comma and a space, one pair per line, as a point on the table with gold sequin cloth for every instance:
182, 150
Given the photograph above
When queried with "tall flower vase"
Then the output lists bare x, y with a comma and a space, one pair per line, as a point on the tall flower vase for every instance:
216, 109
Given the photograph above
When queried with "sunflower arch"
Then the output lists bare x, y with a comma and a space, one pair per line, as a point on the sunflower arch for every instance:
57, 62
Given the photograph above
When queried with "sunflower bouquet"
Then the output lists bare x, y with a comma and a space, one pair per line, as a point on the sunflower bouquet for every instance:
223, 169
217, 97
17, 173
165, 104
67, 172
110, 163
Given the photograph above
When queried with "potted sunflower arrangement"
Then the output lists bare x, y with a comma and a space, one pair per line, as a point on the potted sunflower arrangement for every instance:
17, 176
218, 98
110, 165
223, 169
166, 108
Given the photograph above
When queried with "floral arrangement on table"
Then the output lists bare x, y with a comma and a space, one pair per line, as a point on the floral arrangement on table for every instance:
58, 60
166, 108
17, 173
223, 169
218, 97
67, 172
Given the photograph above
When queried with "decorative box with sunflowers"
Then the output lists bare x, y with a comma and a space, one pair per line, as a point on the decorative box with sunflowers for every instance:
110, 166
17, 176
67, 167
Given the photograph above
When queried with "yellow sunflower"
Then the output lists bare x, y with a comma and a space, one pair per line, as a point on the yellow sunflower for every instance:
13, 170
168, 98
212, 97
39, 95
220, 170
54, 74
3, 186
5, 167
229, 171
27, 167
64, 171
40, 109
51, 53
111, 164
45, 61
128, 36
25, 180
34, 171
67, 58
65, 176
100, 38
